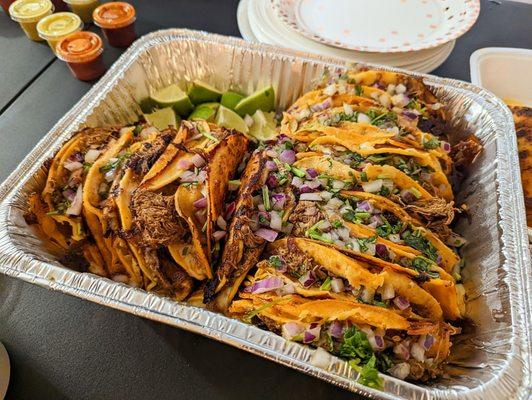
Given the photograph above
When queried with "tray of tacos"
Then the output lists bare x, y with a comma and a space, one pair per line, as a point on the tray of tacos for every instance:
361, 224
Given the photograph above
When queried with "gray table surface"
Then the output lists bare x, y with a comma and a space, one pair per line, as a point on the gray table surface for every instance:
66, 348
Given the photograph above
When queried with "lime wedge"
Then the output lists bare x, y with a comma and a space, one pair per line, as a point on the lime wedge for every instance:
204, 111
230, 120
201, 92
147, 105
173, 96
262, 99
162, 118
263, 127
231, 99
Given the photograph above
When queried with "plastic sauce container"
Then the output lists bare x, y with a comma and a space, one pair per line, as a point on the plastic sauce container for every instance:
117, 20
83, 53
60, 5
5, 5
55, 27
28, 12
83, 8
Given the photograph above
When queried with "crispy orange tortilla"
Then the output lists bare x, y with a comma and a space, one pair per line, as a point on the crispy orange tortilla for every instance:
449, 258
358, 273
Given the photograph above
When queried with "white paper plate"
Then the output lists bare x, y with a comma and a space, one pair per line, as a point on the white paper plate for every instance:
384, 26
264, 26
5, 371
243, 21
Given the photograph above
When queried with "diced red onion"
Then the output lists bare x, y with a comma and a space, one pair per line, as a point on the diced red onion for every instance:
407, 196
198, 161
388, 292
377, 342
321, 106
272, 181
290, 330
229, 210
427, 342
337, 285
373, 186
418, 352
222, 224
189, 177
287, 156
218, 235
69, 194
185, 163
363, 119
265, 285
200, 203
77, 202
202, 176
76, 157
400, 371
311, 333
297, 182
439, 259
337, 184
310, 197
307, 279
424, 176
266, 234
286, 289
75, 178
365, 206
305, 189
381, 250
271, 166
276, 223
201, 216
313, 184
401, 351
278, 200
401, 303
445, 146
375, 221
336, 330
410, 115
110, 175
92, 155
73, 165
367, 295
311, 173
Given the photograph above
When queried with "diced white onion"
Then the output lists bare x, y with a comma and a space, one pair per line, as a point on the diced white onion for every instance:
400, 88
363, 119
320, 358
348, 109
400, 371
92, 155
373, 186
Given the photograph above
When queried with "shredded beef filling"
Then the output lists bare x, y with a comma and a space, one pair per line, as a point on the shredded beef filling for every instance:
155, 219
142, 160
305, 215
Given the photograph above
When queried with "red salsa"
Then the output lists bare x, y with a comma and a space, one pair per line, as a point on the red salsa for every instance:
117, 20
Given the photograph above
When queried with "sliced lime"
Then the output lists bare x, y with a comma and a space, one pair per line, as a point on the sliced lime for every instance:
263, 127
230, 120
147, 105
173, 96
203, 111
231, 99
162, 118
263, 99
201, 92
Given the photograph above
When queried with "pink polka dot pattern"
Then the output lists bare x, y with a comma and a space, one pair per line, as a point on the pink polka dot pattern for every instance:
453, 19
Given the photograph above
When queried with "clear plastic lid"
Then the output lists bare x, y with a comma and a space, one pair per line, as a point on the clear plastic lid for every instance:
114, 15
30, 10
79, 47
58, 25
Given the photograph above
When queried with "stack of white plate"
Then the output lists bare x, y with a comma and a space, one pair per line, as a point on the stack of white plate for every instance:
417, 35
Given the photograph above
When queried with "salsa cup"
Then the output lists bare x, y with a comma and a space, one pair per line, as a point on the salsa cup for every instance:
55, 27
83, 53
117, 20
28, 13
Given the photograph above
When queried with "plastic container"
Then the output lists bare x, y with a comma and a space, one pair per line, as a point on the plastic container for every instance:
117, 20
60, 5
28, 13
505, 72
5, 5
55, 27
83, 53
83, 8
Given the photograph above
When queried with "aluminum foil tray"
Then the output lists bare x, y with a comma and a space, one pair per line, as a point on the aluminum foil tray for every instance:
490, 359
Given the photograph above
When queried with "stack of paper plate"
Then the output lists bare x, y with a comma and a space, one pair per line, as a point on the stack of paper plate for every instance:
416, 35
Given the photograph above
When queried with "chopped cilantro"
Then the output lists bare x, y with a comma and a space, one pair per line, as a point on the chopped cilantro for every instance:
432, 143
116, 162
326, 285
297, 172
418, 242
275, 261
359, 90
266, 197
363, 176
337, 223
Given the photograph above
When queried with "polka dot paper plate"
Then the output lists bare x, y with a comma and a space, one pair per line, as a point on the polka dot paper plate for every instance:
383, 26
